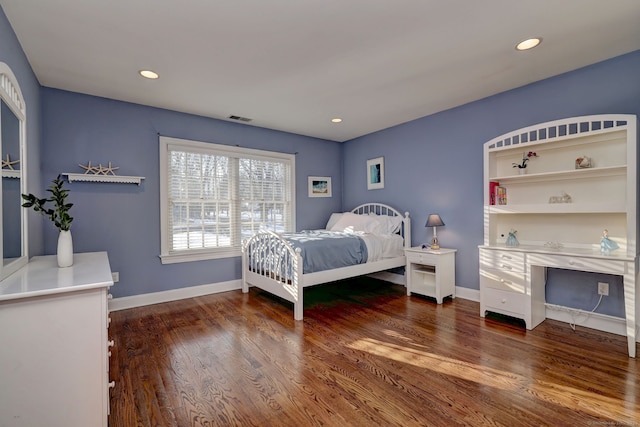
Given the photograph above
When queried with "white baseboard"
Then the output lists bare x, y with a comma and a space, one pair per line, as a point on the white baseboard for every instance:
172, 295
124, 303
466, 293
587, 319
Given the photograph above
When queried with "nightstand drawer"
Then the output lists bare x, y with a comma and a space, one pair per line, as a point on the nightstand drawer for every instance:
510, 303
422, 258
511, 281
503, 260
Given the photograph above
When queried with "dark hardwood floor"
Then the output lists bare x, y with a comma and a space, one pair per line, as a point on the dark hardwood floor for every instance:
365, 355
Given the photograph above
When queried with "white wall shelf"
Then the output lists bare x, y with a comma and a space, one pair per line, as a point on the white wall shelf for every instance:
82, 177
8, 173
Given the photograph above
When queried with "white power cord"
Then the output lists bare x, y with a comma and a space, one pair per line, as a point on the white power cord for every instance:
573, 316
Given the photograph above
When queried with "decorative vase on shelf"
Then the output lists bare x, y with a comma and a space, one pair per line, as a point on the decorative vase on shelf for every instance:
65, 249
522, 171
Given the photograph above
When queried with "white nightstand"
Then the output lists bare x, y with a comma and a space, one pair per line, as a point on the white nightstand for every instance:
431, 273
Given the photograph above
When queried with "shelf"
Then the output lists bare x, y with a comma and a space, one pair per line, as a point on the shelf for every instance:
81, 177
8, 173
566, 174
431, 271
556, 208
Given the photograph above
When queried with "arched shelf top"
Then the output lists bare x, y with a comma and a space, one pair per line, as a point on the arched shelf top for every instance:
558, 130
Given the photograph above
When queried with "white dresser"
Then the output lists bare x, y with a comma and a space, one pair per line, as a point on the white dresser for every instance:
54, 344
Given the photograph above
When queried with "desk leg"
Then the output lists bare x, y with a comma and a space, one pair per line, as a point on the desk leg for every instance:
630, 308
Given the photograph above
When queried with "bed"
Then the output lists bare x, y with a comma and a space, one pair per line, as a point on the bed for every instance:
375, 236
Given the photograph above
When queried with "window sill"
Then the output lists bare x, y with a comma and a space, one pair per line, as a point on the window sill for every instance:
197, 256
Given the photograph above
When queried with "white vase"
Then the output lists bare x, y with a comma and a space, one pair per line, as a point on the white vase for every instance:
65, 249
522, 171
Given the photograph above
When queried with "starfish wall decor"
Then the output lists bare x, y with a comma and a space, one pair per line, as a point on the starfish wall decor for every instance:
9, 163
99, 170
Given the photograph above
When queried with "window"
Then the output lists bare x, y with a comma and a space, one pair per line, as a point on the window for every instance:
215, 196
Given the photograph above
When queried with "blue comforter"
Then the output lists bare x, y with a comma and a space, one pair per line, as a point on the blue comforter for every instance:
325, 250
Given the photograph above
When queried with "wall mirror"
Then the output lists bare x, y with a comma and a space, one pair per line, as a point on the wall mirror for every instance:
12, 146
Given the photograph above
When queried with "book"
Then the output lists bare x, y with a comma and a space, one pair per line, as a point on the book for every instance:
492, 192
501, 195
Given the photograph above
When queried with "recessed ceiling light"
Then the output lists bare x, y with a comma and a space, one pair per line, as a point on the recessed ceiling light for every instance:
529, 43
149, 74
336, 120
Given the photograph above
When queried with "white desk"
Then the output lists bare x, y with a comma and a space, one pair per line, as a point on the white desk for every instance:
512, 281
54, 344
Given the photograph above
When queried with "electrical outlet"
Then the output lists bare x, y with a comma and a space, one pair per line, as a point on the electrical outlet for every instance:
115, 276
603, 288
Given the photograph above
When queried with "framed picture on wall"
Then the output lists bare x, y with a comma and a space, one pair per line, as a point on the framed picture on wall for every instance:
375, 173
319, 186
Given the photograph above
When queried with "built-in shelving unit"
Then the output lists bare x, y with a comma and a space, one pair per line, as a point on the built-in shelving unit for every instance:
560, 211
82, 177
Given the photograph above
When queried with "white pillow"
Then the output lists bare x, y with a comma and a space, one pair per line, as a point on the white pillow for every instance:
394, 223
388, 224
332, 220
350, 222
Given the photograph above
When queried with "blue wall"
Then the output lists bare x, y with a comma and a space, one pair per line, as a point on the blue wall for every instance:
434, 164
124, 219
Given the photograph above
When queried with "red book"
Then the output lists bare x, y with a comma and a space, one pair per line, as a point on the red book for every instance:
492, 192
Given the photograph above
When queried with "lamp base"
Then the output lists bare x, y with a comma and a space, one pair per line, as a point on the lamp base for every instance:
434, 244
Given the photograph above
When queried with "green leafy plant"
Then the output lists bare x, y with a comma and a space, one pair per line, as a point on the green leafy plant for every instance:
60, 213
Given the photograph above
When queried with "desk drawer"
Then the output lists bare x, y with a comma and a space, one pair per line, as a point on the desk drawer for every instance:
510, 303
511, 281
504, 260
598, 265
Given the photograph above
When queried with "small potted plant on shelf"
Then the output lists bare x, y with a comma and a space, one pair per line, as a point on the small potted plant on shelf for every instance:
59, 215
522, 166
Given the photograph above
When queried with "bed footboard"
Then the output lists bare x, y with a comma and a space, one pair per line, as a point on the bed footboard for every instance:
270, 263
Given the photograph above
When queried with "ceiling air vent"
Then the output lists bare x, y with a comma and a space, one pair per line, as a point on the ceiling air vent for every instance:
240, 118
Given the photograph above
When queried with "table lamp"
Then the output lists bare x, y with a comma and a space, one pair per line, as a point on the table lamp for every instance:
434, 221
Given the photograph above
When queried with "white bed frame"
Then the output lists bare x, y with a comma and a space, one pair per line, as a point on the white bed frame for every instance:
270, 252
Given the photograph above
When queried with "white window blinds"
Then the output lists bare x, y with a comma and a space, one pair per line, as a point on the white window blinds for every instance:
215, 196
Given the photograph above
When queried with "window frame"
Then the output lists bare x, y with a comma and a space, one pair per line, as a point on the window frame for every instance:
168, 144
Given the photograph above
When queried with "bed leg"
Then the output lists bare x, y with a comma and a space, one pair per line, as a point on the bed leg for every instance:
245, 286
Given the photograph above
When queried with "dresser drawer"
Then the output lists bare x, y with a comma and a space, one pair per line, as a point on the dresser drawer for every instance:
510, 303
599, 265
503, 260
511, 281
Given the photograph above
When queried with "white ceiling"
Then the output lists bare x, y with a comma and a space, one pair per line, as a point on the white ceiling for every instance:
292, 65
